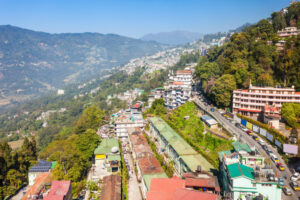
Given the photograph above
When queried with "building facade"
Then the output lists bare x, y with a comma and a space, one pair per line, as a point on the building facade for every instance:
178, 88
288, 32
253, 101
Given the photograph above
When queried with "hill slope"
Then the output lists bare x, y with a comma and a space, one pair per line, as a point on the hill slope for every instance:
173, 37
32, 62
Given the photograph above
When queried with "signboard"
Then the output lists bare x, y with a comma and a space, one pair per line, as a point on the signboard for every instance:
255, 129
290, 148
249, 125
263, 132
244, 122
277, 143
269, 137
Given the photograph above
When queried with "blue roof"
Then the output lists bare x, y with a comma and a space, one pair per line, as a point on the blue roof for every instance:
206, 117
41, 166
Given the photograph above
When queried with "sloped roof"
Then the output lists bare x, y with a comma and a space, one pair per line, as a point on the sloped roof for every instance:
111, 188
41, 166
148, 178
106, 145
114, 157
184, 194
237, 170
149, 165
192, 161
58, 190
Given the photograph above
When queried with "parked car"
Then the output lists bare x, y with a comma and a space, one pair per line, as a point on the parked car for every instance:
295, 186
255, 137
281, 181
249, 132
280, 166
269, 151
261, 142
244, 129
287, 191
274, 158
212, 109
295, 176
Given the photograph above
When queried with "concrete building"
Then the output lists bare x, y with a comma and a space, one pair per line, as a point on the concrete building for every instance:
209, 121
252, 102
170, 144
107, 154
241, 182
288, 32
178, 88
242, 153
157, 93
128, 119
41, 167
60, 190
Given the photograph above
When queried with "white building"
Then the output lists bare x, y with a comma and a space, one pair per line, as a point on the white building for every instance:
178, 89
288, 32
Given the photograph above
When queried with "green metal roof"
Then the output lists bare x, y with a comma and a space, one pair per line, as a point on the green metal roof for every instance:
53, 164
192, 162
147, 178
114, 157
237, 170
106, 145
179, 144
238, 146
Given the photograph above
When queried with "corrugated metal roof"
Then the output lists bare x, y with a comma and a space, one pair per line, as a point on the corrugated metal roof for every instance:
41, 166
237, 170
239, 146
147, 178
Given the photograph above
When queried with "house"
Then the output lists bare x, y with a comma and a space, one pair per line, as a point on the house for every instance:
41, 167
60, 190
240, 181
202, 181
156, 93
288, 32
111, 188
242, 153
175, 189
209, 121
170, 144
107, 154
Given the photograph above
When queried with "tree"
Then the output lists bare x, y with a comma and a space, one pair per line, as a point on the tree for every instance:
278, 21
291, 113
91, 118
222, 90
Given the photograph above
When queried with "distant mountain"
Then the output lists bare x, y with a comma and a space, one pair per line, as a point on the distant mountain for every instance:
32, 62
173, 37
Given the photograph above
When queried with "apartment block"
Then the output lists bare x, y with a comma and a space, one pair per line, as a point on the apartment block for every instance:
255, 100
288, 32
178, 88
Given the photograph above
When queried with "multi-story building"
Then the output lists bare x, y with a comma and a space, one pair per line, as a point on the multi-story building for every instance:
242, 182
288, 32
178, 88
156, 93
176, 149
130, 118
253, 101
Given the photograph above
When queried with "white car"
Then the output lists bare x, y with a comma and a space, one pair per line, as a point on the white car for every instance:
295, 176
261, 142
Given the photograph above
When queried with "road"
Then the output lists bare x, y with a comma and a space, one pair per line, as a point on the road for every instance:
249, 140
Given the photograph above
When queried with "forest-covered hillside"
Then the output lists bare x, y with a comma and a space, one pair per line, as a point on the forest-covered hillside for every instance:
252, 55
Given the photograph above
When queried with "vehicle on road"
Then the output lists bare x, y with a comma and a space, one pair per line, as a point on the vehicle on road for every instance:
255, 137
244, 129
295, 176
295, 186
287, 191
261, 142
280, 166
212, 109
249, 132
281, 181
274, 158
269, 152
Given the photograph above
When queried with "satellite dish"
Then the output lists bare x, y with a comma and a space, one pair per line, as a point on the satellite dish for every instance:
114, 149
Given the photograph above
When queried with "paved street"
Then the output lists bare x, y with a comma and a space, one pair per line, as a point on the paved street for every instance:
133, 185
248, 139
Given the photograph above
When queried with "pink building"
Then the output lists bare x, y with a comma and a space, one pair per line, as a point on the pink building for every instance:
60, 190
253, 101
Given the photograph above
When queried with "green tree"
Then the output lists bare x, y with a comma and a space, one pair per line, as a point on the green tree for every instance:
222, 90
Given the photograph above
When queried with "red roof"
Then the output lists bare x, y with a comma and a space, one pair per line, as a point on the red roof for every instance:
184, 194
248, 110
297, 93
202, 182
178, 83
149, 165
58, 190
184, 72
174, 189
164, 188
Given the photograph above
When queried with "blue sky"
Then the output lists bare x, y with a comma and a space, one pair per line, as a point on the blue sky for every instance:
135, 18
